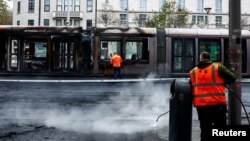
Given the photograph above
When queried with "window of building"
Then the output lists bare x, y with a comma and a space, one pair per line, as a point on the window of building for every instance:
183, 55
142, 19
181, 4
46, 22
59, 5
200, 6
19, 7
30, 22
123, 18
218, 6
194, 19
212, 46
89, 24
58, 22
107, 1
31, 6
46, 5
66, 23
143, 5
17, 22
68, 4
77, 5
218, 21
123, 5
201, 21
89, 5
76, 22
161, 3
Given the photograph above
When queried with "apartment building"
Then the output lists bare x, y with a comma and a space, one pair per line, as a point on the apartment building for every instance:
110, 13
54, 13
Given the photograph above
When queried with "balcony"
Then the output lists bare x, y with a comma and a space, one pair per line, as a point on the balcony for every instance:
64, 14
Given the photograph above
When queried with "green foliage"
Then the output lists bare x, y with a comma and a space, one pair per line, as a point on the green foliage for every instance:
5, 14
169, 17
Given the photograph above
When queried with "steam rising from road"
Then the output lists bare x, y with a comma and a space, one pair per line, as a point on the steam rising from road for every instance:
133, 110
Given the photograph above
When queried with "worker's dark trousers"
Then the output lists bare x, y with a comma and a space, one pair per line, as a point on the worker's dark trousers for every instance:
117, 72
209, 117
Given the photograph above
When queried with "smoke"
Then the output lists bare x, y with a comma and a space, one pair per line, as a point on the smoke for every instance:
133, 109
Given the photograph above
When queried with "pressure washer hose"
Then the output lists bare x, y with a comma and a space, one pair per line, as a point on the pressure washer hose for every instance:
240, 102
230, 91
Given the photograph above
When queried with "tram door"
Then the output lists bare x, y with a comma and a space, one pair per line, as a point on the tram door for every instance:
3, 53
64, 59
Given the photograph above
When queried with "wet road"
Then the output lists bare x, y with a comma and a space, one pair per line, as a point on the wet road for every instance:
73, 111
82, 111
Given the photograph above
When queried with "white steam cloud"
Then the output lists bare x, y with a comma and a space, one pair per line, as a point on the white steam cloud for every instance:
130, 111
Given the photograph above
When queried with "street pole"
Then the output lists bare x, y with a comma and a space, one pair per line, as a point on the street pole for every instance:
127, 14
208, 9
95, 13
68, 14
39, 13
234, 113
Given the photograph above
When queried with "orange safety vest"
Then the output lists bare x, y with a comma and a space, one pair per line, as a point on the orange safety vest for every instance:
208, 86
116, 61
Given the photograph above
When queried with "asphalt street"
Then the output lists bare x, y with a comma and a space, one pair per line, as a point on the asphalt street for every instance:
88, 111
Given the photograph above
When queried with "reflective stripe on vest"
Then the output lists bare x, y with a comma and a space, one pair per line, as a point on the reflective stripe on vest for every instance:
208, 87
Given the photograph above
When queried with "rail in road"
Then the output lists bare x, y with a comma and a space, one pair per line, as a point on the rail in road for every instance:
100, 80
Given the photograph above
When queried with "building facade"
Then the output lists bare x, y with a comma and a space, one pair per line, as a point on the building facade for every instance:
53, 12
110, 13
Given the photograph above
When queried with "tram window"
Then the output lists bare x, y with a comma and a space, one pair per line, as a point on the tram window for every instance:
183, 54
13, 62
40, 50
14, 47
244, 54
177, 45
213, 46
108, 48
134, 51
14, 50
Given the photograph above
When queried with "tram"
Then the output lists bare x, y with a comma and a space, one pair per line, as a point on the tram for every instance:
165, 52
34, 49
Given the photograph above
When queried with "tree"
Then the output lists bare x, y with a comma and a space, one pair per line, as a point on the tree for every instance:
170, 16
245, 22
107, 16
5, 14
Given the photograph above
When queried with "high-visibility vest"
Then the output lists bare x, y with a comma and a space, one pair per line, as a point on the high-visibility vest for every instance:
116, 61
207, 86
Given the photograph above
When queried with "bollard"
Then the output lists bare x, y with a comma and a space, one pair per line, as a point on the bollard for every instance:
180, 118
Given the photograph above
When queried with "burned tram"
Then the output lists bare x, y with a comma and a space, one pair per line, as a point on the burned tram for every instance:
45, 50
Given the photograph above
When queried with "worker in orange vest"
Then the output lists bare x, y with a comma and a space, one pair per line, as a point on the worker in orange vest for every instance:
208, 82
116, 62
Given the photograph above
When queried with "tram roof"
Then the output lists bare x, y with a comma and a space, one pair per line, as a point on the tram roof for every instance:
129, 31
202, 32
40, 29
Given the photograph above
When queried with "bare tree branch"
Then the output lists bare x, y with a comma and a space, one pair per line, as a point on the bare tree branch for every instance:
107, 16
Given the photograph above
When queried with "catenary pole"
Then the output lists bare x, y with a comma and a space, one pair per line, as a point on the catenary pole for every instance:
234, 113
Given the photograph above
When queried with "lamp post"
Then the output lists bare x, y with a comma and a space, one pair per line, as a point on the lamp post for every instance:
207, 9
68, 14
95, 13
126, 9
